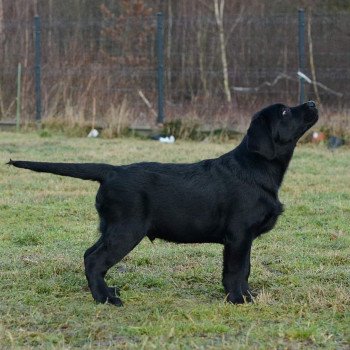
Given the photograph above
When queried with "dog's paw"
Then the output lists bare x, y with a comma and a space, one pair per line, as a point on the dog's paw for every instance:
250, 294
234, 299
114, 291
239, 298
115, 301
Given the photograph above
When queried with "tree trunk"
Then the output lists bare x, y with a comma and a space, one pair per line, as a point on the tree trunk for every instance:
169, 47
201, 54
2, 52
2, 32
311, 56
219, 16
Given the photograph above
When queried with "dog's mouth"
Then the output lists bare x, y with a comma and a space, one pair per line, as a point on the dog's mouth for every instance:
311, 118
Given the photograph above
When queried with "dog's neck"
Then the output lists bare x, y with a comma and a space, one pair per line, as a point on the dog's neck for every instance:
269, 173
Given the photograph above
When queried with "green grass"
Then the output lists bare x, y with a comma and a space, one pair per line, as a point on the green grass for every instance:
172, 293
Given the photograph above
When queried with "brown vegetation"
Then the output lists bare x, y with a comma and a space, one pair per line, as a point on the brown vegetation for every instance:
105, 50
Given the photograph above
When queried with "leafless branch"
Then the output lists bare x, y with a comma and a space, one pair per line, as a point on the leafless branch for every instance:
277, 79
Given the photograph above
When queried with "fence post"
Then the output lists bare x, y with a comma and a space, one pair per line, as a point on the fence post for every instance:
160, 68
18, 99
37, 68
301, 44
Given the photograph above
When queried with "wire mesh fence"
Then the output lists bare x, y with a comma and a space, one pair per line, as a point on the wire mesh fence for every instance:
89, 67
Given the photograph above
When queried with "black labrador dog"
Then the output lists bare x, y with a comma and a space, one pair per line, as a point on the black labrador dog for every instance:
229, 200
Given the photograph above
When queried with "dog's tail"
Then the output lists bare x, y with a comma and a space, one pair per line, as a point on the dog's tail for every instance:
85, 171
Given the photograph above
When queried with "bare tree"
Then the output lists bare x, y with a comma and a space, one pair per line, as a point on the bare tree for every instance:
2, 50
169, 43
311, 58
219, 17
2, 26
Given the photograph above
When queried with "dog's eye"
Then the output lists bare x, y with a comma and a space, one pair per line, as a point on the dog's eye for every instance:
285, 112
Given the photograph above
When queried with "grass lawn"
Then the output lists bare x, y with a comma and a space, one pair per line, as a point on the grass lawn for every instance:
172, 293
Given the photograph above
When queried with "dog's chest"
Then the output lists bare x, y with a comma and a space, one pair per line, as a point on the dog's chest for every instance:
270, 211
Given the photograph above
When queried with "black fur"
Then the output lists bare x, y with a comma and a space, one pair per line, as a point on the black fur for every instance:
229, 200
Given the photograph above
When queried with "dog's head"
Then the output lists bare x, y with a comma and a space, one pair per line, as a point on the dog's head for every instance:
275, 130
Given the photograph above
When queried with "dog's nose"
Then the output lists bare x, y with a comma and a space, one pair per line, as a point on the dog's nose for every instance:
311, 104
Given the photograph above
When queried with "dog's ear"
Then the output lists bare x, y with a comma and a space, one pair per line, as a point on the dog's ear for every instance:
259, 138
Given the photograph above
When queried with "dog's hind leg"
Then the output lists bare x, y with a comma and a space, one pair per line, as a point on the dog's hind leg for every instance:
113, 290
93, 247
115, 244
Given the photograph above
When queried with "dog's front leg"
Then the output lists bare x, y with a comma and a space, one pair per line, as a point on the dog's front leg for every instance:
236, 270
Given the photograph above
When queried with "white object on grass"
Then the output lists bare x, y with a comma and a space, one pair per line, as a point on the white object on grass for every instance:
167, 139
93, 133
